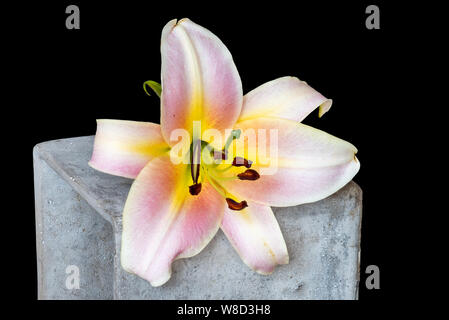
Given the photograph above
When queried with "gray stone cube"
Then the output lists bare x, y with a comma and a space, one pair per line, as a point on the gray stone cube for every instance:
78, 223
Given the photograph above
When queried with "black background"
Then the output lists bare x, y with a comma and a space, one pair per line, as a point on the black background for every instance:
72, 77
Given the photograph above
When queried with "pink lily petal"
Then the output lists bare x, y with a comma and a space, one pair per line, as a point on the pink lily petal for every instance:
199, 80
256, 236
163, 222
123, 148
286, 97
310, 164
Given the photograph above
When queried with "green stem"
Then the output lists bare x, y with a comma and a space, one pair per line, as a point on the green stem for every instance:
156, 87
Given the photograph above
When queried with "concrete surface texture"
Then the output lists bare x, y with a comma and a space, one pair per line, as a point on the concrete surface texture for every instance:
78, 225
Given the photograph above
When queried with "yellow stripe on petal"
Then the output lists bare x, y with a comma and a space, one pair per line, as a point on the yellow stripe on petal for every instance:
256, 236
199, 80
123, 148
300, 165
287, 143
163, 222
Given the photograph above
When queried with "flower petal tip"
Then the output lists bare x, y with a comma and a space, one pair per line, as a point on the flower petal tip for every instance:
160, 281
324, 107
286, 97
182, 20
357, 162
92, 165
263, 272
168, 28
173, 24
267, 272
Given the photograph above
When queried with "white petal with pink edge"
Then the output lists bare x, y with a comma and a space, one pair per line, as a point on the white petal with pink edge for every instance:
199, 80
123, 148
286, 97
307, 165
256, 236
163, 222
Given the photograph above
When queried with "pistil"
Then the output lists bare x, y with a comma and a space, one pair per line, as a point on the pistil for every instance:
216, 176
195, 166
235, 134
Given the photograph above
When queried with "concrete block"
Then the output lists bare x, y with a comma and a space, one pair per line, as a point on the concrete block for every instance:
78, 223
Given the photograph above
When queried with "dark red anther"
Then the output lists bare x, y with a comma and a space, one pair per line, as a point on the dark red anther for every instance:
240, 162
249, 174
220, 155
195, 189
234, 205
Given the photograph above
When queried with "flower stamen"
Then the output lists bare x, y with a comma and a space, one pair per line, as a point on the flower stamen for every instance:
241, 162
220, 155
235, 134
237, 206
195, 189
249, 174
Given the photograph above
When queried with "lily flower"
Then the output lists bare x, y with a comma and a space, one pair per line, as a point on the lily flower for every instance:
174, 209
